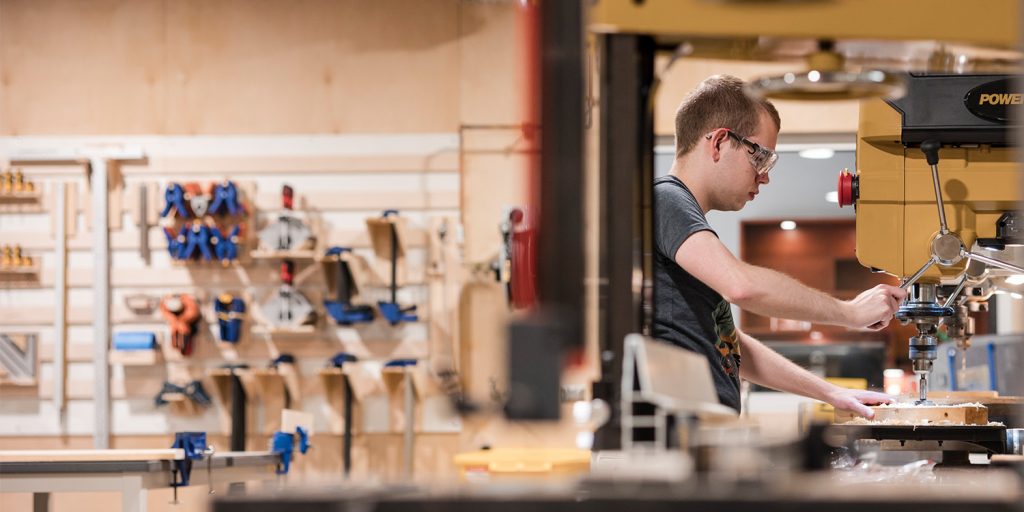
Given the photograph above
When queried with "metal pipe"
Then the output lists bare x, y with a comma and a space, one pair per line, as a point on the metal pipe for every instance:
60, 324
917, 275
101, 303
938, 199
995, 263
959, 288
394, 262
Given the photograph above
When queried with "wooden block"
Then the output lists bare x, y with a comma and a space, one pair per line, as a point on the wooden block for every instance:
926, 414
291, 419
90, 455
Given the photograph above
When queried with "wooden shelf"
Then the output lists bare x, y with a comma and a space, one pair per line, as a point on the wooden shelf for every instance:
303, 329
134, 357
29, 270
306, 254
20, 197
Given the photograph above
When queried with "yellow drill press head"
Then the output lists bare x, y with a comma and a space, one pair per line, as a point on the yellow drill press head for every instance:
937, 193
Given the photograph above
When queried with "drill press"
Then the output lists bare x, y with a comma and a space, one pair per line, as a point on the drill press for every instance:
901, 199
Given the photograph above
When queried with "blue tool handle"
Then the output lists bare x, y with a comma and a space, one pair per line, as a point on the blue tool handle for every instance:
134, 341
992, 377
951, 353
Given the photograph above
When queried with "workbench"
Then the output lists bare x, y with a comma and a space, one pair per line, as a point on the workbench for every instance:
131, 472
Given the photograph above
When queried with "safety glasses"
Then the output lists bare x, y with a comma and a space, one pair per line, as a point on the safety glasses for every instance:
762, 158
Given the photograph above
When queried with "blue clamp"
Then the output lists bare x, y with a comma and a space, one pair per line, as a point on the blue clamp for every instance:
197, 236
229, 310
194, 444
174, 197
283, 358
348, 314
173, 245
341, 358
396, 314
400, 363
225, 199
283, 444
342, 311
226, 247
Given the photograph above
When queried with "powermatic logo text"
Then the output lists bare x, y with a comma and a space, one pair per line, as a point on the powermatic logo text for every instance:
993, 101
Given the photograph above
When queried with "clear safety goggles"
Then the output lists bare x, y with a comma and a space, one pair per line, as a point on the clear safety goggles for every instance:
762, 158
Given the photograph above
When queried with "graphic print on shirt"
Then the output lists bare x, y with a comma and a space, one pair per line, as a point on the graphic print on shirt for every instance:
728, 343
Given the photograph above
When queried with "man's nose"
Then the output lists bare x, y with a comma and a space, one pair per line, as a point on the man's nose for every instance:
763, 178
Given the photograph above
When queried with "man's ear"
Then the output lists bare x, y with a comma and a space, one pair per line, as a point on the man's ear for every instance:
715, 140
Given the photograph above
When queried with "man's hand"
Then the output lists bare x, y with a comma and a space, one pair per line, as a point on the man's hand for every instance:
855, 400
874, 308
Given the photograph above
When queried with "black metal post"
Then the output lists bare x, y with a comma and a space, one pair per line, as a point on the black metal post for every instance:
346, 447
626, 176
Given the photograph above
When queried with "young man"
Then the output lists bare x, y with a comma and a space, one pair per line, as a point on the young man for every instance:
725, 144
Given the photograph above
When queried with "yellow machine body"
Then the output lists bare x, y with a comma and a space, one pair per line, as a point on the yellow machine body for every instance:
897, 215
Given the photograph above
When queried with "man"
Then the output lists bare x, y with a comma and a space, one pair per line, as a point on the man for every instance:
725, 144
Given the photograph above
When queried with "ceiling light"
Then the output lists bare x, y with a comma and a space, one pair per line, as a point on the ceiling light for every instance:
1016, 295
1015, 279
817, 153
787, 225
832, 197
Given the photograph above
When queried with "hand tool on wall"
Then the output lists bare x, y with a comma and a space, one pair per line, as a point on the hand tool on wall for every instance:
18, 358
284, 364
174, 199
140, 340
182, 314
288, 233
225, 246
141, 304
193, 391
197, 238
230, 311
394, 313
338, 361
288, 307
197, 201
341, 308
225, 199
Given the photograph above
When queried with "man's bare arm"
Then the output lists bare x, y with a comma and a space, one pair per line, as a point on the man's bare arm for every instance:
762, 365
770, 293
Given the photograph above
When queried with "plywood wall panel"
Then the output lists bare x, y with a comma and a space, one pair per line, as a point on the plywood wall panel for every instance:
82, 66
229, 66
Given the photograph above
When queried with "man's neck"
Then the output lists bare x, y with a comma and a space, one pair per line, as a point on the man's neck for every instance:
693, 181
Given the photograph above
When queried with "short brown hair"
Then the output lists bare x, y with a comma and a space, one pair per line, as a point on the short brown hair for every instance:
719, 102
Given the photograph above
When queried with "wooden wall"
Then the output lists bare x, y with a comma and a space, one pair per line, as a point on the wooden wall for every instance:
231, 66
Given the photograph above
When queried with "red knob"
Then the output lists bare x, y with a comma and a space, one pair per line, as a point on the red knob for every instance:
847, 188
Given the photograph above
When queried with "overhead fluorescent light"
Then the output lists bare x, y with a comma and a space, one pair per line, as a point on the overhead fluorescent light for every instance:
1015, 279
817, 153
787, 225
832, 197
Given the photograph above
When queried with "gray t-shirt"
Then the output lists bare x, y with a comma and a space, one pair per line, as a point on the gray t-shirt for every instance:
687, 312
